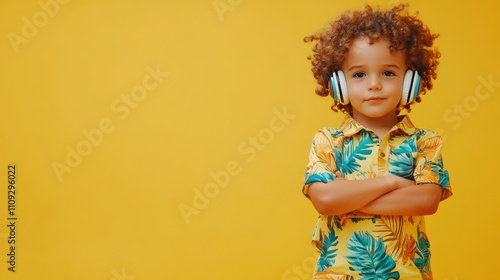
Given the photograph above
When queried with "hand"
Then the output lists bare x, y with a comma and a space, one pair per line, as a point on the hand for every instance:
339, 176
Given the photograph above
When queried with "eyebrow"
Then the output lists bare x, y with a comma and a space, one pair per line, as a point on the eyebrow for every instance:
385, 65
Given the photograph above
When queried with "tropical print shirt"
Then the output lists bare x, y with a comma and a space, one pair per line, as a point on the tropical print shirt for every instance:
358, 245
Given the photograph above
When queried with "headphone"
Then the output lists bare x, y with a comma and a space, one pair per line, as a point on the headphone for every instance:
411, 87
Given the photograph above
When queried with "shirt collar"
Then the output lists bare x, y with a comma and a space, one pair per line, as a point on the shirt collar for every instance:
350, 126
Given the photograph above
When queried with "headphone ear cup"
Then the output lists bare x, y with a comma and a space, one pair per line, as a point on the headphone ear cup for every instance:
339, 87
411, 87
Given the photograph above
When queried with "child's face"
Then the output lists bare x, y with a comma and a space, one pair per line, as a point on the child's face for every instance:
374, 78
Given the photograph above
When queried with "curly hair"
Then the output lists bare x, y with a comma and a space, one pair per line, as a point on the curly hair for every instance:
405, 32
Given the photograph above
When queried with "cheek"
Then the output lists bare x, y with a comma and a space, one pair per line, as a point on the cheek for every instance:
395, 89
354, 89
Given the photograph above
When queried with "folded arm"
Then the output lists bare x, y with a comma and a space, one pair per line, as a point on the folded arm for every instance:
342, 196
416, 200
387, 195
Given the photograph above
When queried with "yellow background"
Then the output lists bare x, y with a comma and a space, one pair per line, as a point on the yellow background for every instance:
222, 134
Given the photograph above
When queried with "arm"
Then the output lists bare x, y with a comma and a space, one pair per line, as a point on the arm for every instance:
431, 181
342, 196
416, 200
424, 195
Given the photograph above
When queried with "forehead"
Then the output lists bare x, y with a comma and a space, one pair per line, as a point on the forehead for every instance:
364, 51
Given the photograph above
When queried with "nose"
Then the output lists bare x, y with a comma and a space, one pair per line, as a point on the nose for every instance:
374, 84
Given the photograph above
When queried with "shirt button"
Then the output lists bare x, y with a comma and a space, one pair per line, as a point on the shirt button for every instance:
382, 154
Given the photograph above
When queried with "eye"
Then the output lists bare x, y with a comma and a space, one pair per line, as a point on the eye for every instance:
359, 75
389, 73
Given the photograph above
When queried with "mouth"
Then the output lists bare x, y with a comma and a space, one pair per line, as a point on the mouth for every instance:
375, 98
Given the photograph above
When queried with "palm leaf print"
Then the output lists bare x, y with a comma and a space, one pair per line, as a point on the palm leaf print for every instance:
323, 149
391, 230
324, 154
444, 179
410, 248
428, 148
337, 221
320, 177
424, 253
347, 162
328, 251
336, 132
427, 173
421, 172
368, 257
401, 159
357, 220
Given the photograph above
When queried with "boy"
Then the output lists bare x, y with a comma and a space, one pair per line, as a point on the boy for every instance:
374, 178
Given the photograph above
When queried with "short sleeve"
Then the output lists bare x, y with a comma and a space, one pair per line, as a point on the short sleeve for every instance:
429, 167
321, 166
